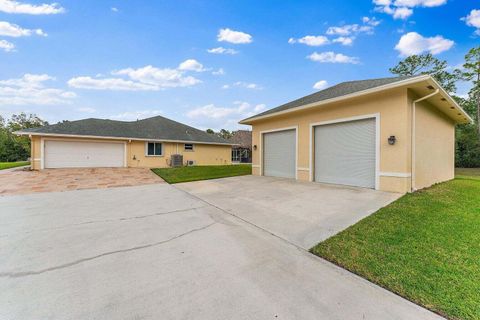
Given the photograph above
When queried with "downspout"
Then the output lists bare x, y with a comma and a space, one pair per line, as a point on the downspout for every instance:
412, 166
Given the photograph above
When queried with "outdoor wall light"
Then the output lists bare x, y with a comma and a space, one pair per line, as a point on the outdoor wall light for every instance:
392, 140
134, 158
255, 147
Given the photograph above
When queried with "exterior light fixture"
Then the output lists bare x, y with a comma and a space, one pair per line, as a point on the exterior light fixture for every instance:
392, 140
255, 147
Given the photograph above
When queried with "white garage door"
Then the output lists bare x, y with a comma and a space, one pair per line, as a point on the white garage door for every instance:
345, 153
66, 154
279, 154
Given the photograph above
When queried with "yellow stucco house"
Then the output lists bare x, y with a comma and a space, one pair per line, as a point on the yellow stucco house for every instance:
146, 143
392, 134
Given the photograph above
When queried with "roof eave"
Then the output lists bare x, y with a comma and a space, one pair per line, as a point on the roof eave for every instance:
332, 100
60, 135
451, 101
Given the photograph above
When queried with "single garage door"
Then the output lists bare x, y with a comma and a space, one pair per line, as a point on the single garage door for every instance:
279, 154
345, 153
66, 154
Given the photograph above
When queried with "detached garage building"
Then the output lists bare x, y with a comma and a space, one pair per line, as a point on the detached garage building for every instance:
150, 143
392, 134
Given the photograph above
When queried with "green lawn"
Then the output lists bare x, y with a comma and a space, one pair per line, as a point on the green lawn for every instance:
194, 173
7, 165
424, 247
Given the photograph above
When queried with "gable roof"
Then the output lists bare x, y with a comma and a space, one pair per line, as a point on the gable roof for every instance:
155, 128
345, 90
243, 138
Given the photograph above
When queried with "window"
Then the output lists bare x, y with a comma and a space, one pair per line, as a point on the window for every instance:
188, 147
154, 149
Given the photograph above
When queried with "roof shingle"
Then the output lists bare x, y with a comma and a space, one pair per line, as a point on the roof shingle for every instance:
335, 91
156, 128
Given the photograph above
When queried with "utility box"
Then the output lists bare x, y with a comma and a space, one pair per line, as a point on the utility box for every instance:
176, 160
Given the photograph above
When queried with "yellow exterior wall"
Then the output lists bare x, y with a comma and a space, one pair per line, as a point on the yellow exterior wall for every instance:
435, 146
394, 117
203, 154
435, 138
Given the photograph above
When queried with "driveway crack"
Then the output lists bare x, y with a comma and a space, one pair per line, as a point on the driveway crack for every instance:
66, 265
106, 220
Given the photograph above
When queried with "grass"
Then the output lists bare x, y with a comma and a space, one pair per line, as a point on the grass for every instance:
424, 247
8, 165
195, 173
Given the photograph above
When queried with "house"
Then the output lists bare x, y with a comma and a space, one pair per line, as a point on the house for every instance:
242, 150
392, 134
107, 143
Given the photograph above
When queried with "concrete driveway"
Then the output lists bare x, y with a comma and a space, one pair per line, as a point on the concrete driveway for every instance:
157, 252
302, 213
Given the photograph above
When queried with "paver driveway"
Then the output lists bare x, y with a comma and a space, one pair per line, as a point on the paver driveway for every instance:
157, 252
21, 181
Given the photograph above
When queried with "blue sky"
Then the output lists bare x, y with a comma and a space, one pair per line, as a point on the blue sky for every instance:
210, 63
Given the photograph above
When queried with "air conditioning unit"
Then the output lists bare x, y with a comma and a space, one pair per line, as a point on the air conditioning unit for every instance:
190, 163
176, 160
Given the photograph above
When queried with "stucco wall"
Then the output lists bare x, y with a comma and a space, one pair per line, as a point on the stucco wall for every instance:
394, 113
202, 154
435, 146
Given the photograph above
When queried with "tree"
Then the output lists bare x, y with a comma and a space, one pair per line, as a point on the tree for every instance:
427, 64
471, 72
225, 134
12, 147
210, 131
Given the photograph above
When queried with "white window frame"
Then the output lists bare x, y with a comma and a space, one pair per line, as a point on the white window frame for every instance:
296, 147
153, 155
188, 150
375, 116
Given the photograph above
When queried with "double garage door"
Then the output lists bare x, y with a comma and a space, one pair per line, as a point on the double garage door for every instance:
79, 154
343, 153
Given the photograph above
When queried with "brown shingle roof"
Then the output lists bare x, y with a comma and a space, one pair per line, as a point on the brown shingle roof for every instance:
242, 138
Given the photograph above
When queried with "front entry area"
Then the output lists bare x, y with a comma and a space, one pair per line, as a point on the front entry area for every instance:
345, 153
279, 153
82, 154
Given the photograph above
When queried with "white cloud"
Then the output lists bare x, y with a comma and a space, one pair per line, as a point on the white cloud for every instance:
332, 57
402, 9
313, 41
414, 43
402, 13
212, 116
31, 90
319, 85
114, 9
419, 3
148, 78
346, 41
242, 84
232, 36
219, 72
116, 84
371, 21
13, 30
86, 110
134, 115
473, 20
7, 46
11, 6
191, 65
222, 50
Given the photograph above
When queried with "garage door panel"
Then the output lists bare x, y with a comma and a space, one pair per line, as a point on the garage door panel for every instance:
76, 154
279, 154
345, 153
